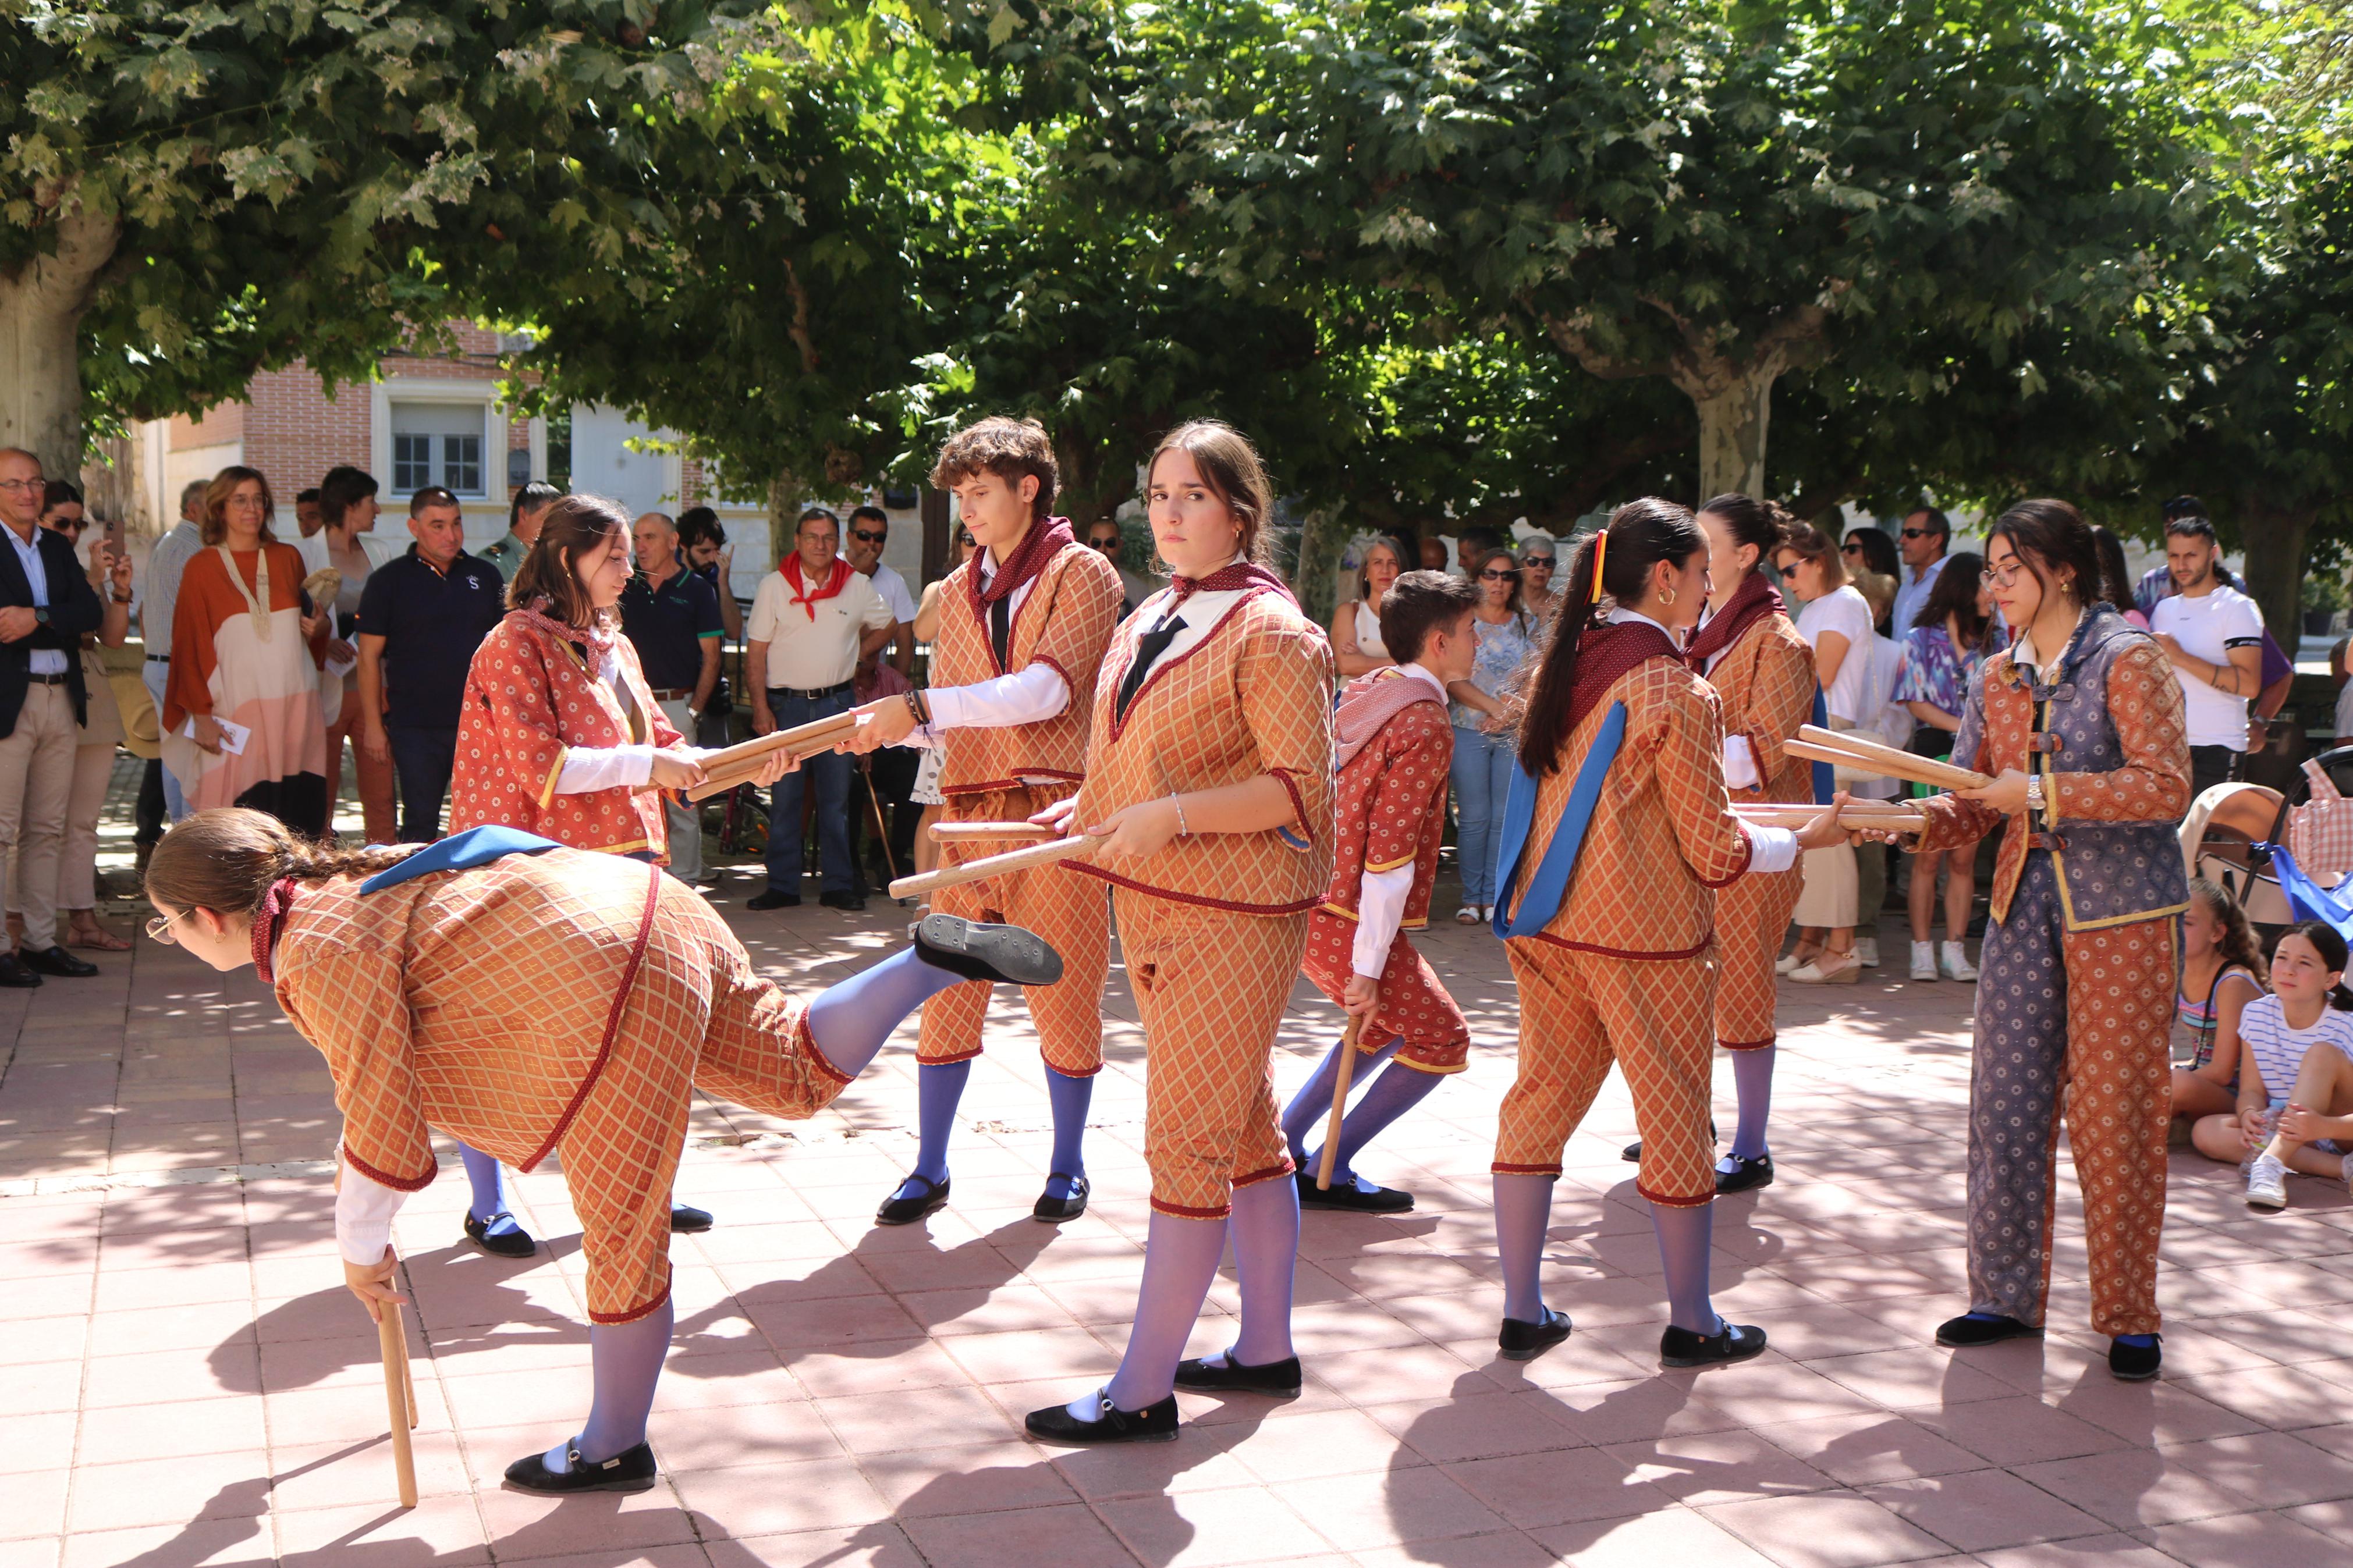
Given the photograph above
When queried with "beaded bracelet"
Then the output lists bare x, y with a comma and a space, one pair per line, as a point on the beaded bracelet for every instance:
1177, 801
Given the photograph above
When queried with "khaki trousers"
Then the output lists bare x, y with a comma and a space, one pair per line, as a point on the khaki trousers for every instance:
685, 817
36, 771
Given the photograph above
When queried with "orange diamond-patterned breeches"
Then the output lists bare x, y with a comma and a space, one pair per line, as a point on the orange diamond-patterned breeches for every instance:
1211, 986
1070, 912
1752, 916
1415, 1007
1580, 1012
2080, 1020
697, 1016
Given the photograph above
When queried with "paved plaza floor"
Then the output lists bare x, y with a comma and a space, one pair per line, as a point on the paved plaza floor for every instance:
184, 1381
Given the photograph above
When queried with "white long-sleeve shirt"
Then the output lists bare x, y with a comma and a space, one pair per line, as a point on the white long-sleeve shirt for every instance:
364, 1213
1029, 695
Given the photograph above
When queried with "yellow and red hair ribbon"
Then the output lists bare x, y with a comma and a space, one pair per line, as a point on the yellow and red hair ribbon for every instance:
1600, 544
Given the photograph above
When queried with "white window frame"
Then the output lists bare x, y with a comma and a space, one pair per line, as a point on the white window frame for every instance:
383, 395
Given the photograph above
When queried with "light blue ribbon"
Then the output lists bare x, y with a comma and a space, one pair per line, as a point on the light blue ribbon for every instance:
1550, 883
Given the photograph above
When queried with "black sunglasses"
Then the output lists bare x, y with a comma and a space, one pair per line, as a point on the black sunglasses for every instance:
965, 539
1918, 533
1498, 576
869, 535
1108, 546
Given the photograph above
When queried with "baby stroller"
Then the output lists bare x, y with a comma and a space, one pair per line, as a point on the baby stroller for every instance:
2232, 830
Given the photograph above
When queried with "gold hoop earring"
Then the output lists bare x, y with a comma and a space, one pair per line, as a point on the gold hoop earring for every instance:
1668, 598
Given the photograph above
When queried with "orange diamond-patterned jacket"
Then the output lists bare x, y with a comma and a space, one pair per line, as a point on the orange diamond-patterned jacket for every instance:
1253, 697
410, 992
1662, 839
1390, 809
1065, 620
1766, 682
531, 693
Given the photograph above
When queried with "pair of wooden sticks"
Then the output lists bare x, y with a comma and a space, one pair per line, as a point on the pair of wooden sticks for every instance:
736, 765
1859, 754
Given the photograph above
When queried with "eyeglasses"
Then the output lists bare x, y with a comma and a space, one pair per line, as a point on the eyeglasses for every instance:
1918, 533
1852, 547
869, 535
1537, 563
24, 484
1498, 576
1108, 546
965, 539
160, 928
2000, 576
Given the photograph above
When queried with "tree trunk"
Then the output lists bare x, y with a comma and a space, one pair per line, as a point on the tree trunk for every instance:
1321, 535
41, 307
1732, 412
2273, 535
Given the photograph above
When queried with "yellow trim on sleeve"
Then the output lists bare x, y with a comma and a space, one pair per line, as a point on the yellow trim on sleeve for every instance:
547, 790
1392, 865
1343, 914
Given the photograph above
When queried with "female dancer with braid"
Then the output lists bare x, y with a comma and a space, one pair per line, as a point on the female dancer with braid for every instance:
617, 994
1210, 767
1620, 786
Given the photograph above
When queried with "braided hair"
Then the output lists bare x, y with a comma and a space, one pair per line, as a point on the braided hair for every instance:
227, 858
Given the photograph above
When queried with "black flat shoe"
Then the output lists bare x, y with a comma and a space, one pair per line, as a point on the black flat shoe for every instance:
1054, 1211
13, 974
1734, 1342
1351, 1198
686, 1220
1746, 1175
1522, 1340
1966, 1332
1224, 1375
979, 952
773, 899
56, 961
630, 1470
2136, 1363
515, 1243
1153, 1424
896, 1210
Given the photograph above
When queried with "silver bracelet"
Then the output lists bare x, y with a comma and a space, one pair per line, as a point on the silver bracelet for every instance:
1177, 801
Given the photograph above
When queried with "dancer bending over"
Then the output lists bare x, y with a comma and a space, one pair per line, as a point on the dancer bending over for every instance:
531, 1000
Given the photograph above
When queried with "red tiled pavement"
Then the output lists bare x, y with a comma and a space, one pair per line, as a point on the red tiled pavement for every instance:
185, 1384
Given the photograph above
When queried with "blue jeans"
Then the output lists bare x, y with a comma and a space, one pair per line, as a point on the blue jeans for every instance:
1482, 774
422, 761
829, 771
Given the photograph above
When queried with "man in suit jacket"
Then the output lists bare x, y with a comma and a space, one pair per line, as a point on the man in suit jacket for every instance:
45, 603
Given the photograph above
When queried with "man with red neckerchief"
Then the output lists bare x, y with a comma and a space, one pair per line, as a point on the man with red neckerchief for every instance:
1023, 627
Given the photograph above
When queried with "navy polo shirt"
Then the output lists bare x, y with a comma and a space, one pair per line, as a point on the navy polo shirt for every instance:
431, 622
668, 625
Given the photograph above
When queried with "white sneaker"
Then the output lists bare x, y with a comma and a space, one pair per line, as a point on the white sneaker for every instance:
1866, 952
2267, 1182
1957, 963
1924, 961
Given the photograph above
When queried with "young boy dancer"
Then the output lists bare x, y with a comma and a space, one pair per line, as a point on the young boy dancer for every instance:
1394, 749
1023, 627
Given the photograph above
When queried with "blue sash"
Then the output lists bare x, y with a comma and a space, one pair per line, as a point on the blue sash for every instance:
1550, 883
1825, 774
475, 847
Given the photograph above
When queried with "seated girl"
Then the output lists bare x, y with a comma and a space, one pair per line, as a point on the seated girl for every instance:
2295, 1072
2218, 966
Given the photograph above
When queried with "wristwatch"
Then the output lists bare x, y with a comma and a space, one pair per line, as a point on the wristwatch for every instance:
40, 614
2033, 794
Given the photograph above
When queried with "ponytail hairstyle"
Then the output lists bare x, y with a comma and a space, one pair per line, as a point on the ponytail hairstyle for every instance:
226, 859
2237, 946
2327, 942
1764, 526
1640, 534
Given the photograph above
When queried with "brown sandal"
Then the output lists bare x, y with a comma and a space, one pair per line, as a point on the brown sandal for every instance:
97, 939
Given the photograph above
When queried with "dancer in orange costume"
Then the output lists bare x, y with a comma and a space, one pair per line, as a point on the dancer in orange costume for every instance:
537, 1000
1210, 772
1394, 751
2080, 720
1621, 787
1022, 630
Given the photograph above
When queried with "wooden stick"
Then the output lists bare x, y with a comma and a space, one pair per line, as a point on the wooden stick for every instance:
1898, 821
984, 832
739, 766
1339, 1102
1077, 846
1899, 765
1880, 751
394, 1347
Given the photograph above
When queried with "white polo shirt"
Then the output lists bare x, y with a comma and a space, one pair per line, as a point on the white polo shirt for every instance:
2208, 627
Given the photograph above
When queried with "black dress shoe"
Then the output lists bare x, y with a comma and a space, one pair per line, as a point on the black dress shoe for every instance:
515, 1243
630, 1470
774, 899
854, 902
688, 1220
1734, 1342
56, 961
979, 952
1348, 1196
1523, 1341
1224, 1375
1153, 1424
2136, 1363
12, 972
896, 1210
1966, 1332
1746, 1175
1054, 1210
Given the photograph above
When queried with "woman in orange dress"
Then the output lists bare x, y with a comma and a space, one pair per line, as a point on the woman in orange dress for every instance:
241, 720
